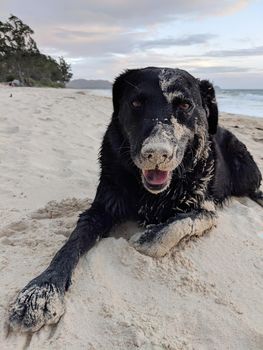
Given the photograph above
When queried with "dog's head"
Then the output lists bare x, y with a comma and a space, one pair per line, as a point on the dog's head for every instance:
163, 112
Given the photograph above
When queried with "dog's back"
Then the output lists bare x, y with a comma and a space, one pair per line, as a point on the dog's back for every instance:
236, 173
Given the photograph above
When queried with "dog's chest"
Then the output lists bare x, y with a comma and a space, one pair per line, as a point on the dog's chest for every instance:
182, 197
155, 209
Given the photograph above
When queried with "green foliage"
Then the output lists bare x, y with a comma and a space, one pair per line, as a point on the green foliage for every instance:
10, 77
21, 59
65, 70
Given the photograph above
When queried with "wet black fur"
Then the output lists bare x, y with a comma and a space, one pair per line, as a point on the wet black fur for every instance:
120, 193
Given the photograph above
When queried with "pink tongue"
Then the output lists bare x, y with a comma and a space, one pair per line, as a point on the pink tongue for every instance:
155, 177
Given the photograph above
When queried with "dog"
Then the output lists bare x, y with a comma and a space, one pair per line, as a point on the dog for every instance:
165, 163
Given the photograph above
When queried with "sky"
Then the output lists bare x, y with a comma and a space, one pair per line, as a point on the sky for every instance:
218, 40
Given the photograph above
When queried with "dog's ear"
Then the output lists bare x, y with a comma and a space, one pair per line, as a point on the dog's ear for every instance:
118, 89
210, 104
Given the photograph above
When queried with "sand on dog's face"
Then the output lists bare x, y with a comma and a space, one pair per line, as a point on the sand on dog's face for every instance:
207, 294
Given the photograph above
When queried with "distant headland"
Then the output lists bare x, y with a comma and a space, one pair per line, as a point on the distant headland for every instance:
89, 84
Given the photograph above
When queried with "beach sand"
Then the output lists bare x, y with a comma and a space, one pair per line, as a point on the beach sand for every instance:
207, 294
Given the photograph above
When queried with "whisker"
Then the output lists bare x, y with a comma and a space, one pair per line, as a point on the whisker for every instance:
128, 82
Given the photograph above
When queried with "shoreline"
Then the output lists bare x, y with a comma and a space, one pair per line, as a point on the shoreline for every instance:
107, 94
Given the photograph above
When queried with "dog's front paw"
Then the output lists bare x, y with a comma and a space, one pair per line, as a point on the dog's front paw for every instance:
149, 242
35, 306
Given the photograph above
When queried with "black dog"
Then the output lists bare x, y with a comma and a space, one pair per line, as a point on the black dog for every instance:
165, 163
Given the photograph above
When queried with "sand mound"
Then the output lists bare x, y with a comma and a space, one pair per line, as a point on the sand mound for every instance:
200, 296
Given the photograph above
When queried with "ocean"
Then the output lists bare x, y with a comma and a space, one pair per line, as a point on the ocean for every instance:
242, 102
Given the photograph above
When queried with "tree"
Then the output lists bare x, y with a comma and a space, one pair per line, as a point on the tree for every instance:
20, 57
20, 36
65, 69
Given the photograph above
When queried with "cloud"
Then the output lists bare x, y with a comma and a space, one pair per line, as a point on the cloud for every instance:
92, 28
88, 43
101, 38
193, 39
93, 42
87, 32
126, 13
218, 69
254, 51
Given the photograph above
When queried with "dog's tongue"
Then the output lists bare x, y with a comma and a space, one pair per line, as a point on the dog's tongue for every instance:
155, 177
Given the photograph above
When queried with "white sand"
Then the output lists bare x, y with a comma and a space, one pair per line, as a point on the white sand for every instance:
205, 295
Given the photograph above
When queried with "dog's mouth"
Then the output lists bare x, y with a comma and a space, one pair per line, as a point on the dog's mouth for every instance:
156, 180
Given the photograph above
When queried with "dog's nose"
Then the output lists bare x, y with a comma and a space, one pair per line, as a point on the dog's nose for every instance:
157, 153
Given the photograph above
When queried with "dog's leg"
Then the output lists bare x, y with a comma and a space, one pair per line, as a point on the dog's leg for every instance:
41, 301
157, 240
257, 197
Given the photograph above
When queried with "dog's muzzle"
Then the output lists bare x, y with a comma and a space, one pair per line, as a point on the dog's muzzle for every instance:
161, 152
155, 159
157, 154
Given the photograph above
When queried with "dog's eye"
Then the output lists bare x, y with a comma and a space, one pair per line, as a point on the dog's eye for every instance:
184, 106
136, 104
